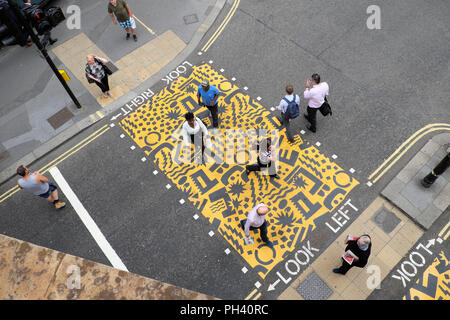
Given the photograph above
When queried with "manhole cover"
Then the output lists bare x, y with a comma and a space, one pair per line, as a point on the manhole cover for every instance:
385, 219
190, 19
314, 288
59, 118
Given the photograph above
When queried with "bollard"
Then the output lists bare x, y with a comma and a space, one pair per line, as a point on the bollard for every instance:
436, 172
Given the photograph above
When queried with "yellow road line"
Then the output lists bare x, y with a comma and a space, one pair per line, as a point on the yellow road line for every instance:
251, 294
145, 26
444, 127
222, 26
60, 158
257, 297
447, 235
444, 229
405, 143
100, 115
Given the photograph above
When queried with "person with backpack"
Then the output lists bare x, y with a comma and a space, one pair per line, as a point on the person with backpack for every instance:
289, 107
317, 96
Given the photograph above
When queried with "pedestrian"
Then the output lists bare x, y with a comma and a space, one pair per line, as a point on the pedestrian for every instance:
209, 95
266, 159
97, 72
256, 219
194, 131
290, 103
317, 96
122, 11
356, 253
39, 185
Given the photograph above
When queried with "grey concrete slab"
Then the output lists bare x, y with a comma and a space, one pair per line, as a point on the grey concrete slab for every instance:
430, 148
419, 196
442, 201
428, 216
411, 169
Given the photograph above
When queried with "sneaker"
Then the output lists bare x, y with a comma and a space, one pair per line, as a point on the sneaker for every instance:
311, 129
60, 205
275, 176
52, 41
134, 37
128, 36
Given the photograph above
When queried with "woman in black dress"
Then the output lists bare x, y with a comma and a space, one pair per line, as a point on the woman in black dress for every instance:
97, 73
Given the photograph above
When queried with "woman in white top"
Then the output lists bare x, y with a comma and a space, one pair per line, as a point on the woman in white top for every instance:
195, 131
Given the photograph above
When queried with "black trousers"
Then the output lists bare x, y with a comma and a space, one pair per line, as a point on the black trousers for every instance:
345, 266
214, 114
257, 167
312, 116
286, 124
104, 85
262, 230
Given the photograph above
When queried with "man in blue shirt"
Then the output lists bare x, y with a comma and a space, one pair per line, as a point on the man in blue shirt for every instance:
209, 95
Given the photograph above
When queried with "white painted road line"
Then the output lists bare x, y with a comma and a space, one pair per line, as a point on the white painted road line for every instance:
87, 220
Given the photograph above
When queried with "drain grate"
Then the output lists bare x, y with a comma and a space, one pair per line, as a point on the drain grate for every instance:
59, 118
314, 288
190, 19
385, 219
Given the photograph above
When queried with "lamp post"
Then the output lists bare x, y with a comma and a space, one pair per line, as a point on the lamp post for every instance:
43, 50
437, 171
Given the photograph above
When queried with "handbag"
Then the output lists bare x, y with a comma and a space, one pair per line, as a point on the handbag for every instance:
107, 70
325, 108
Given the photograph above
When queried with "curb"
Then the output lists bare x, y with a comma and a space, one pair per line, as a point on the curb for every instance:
80, 126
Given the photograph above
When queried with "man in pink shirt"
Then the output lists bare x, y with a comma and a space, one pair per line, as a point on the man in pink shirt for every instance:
316, 96
256, 219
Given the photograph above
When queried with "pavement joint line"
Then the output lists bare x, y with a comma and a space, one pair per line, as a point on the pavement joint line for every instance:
85, 123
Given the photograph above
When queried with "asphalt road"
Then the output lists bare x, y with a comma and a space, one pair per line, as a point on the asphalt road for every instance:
385, 85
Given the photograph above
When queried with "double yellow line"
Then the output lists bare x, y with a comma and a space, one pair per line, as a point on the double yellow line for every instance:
389, 162
250, 296
222, 26
441, 234
61, 158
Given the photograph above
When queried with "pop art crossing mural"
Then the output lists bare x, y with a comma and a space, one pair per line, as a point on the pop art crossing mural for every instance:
310, 184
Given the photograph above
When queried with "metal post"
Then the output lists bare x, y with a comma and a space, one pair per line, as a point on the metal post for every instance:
41, 48
437, 171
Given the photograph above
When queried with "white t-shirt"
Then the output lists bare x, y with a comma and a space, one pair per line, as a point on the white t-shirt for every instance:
283, 104
188, 130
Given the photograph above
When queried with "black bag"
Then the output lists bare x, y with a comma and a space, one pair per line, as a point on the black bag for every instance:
107, 70
325, 108
90, 80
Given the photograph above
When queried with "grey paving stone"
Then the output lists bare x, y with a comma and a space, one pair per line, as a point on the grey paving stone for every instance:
393, 188
430, 215
314, 288
430, 148
385, 219
405, 205
442, 201
411, 169
443, 138
419, 196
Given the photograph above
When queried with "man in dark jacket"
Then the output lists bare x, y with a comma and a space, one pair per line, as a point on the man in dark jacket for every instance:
360, 247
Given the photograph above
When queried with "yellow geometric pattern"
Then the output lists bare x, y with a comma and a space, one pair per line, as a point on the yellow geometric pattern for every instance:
310, 185
434, 283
